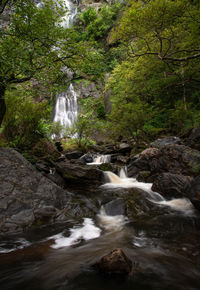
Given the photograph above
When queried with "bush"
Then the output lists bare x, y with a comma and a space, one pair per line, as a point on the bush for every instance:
25, 121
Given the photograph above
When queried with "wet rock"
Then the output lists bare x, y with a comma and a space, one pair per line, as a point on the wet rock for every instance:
172, 185
115, 262
106, 167
73, 155
115, 207
124, 148
166, 141
80, 174
24, 191
87, 158
176, 159
194, 139
122, 159
194, 192
42, 167
144, 176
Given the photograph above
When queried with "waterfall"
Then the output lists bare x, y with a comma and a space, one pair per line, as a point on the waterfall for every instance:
101, 159
68, 19
66, 107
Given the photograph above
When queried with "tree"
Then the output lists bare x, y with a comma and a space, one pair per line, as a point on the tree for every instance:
161, 68
33, 44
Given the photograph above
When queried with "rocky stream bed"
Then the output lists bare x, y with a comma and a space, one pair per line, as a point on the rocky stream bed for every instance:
104, 219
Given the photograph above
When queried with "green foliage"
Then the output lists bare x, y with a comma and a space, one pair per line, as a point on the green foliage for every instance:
156, 86
97, 25
82, 130
25, 122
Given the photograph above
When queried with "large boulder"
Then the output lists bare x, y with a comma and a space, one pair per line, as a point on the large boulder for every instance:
73, 155
172, 185
193, 139
173, 158
114, 262
79, 174
115, 207
27, 198
166, 141
194, 192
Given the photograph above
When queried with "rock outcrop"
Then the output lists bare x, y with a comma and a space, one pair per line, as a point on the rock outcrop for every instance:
79, 174
173, 158
27, 198
172, 185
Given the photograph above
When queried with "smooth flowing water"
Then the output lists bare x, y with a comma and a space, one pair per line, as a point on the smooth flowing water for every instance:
160, 237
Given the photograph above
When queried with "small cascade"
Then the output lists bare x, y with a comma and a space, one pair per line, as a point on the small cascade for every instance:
179, 204
123, 181
100, 159
123, 172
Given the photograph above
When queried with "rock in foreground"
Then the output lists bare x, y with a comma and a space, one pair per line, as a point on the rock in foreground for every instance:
27, 198
115, 262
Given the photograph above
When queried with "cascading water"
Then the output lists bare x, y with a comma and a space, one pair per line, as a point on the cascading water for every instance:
178, 204
100, 159
66, 107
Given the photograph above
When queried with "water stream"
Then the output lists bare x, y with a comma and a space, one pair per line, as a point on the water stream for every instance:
100, 159
160, 236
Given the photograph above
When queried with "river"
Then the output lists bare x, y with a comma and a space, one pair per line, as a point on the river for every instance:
160, 237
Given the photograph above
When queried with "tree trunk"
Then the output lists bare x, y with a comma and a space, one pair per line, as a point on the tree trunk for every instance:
2, 103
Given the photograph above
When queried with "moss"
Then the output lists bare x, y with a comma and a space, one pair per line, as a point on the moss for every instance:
105, 167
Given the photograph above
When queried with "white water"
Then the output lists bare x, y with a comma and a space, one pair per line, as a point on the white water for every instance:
100, 159
123, 181
111, 223
68, 19
89, 230
178, 204
66, 107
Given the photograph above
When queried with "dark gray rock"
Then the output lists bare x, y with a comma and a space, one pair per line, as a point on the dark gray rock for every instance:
166, 141
194, 192
73, 155
88, 158
115, 207
176, 159
193, 139
25, 194
172, 185
80, 174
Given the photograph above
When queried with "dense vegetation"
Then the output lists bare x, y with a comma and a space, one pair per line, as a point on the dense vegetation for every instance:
149, 49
